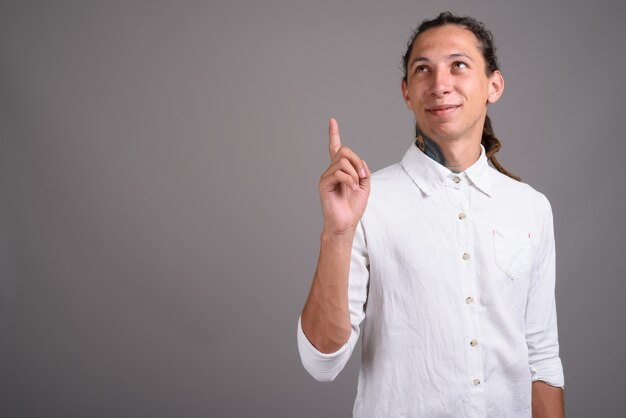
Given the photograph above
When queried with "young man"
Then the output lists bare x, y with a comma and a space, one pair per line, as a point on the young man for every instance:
451, 268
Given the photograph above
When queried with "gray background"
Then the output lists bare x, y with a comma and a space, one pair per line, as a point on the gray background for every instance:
159, 215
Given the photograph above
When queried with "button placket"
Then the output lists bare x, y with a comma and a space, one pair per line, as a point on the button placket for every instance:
459, 194
467, 248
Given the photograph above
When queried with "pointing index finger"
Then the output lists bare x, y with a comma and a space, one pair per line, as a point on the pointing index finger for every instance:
334, 143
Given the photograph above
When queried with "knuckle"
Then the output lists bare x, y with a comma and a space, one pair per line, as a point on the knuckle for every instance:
341, 164
343, 151
348, 154
347, 165
338, 174
326, 174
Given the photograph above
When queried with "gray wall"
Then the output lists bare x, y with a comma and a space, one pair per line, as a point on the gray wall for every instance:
159, 215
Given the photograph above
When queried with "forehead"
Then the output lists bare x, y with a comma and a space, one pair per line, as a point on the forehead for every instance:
445, 40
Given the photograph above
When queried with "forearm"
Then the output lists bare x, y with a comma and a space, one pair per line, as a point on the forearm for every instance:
547, 401
325, 318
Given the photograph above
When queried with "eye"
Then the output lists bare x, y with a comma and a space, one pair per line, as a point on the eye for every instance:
460, 64
421, 69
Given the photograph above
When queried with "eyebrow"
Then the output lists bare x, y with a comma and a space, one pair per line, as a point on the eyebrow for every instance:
448, 57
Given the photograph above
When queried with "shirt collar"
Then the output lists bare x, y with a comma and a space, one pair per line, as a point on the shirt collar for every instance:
429, 175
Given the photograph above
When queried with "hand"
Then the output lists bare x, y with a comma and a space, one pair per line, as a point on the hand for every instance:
344, 187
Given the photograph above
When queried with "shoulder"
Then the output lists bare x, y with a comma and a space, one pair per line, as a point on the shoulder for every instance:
388, 180
519, 193
389, 173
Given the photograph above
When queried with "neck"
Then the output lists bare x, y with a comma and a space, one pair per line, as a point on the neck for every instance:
455, 156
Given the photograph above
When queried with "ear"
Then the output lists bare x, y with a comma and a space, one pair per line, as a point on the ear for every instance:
405, 95
496, 86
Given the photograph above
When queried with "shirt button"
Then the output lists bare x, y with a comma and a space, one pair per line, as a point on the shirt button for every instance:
465, 256
469, 300
473, 343
461, 215
456, 179
476, 382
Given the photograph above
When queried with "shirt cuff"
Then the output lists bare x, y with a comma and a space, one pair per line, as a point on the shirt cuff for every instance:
324, 367
549, 371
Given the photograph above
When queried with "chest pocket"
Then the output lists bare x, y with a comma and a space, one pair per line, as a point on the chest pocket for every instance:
512, 252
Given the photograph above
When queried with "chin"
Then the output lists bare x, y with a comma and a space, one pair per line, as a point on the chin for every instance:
443, 134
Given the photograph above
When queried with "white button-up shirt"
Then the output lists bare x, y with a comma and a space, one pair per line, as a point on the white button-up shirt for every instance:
453, 278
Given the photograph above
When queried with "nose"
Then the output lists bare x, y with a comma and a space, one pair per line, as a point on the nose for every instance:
441, 83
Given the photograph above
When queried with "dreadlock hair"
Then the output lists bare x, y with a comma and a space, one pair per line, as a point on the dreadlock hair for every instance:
486, 45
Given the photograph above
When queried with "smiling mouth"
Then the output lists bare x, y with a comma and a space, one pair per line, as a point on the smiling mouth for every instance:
442, 110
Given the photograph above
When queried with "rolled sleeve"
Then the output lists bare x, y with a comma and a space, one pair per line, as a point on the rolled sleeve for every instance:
324, 367
541, 319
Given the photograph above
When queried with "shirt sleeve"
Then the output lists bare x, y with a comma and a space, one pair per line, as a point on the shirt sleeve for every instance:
325, 367
541, 320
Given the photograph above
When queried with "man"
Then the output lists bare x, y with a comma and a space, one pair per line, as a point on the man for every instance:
451, 268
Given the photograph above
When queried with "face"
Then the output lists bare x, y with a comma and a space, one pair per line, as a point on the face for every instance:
447, 87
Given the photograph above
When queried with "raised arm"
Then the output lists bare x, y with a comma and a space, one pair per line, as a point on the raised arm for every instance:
344, 189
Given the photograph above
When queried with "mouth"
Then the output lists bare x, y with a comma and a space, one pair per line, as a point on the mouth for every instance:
442, 109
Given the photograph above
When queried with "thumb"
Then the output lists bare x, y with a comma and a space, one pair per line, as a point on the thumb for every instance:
365, 181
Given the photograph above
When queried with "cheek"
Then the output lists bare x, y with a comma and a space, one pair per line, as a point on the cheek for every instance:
419, 95
474, 92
